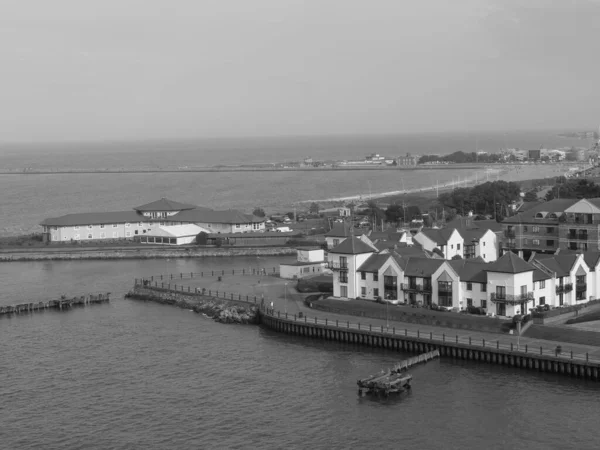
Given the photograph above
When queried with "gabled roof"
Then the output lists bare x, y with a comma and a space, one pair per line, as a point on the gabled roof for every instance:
438, 235
496, 227
510, 263
470, 270
590, 257
374, 263
164, 204
94, 218
415, 266
390, 235
353, 246
230, 216
472, 234
553, 206
561, 264
343, 230
540, 275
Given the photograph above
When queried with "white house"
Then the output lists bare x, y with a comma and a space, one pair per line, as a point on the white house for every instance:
339, 232
308, 262
479, 242
447, 240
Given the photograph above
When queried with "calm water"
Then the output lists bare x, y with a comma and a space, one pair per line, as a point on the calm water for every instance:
29, 199
129, 375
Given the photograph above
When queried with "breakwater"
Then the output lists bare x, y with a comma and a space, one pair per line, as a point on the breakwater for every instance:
524, 357
46, 254
228, 308
62, 303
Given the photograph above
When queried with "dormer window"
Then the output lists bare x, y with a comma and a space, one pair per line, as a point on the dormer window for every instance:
552, 216
540, 215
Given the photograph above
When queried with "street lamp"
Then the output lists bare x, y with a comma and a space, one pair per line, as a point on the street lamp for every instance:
387, 323
285, 296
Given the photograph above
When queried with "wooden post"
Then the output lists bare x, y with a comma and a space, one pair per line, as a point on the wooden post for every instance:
431, 335
315, 320
469, 340
418, 334
348, 324
444, 337
336, 322
325, 320
181, 275
525, 348
405, 332
370, 328
483, 342
394, 330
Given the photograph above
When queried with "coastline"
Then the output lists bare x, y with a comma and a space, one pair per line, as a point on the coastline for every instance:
14, 255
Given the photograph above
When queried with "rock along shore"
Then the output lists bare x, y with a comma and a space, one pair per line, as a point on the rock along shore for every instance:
219, 309
137, 253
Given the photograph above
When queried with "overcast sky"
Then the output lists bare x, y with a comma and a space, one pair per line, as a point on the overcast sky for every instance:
112, 69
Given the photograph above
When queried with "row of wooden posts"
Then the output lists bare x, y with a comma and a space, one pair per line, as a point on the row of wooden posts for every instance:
214, 273
54, 304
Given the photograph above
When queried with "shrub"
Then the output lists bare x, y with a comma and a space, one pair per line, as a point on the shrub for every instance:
379, 300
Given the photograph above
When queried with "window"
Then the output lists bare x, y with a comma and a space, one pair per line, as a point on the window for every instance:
115, 225
238, 226
376, 292
375, 277
469, 286
542, 300
256, 226
101, 225
343, 291
363, 291
451, 246
483, 287
484, 256
469, 302
115, 234
484, 303
484, 243
127, 225
343, 277
543, 284
336, 242
128, 234
525, 228
550, 243
90, 236
457, 246
549, 229
501, 291
536, 242
363, 275
523, 290
343, 262
535, 229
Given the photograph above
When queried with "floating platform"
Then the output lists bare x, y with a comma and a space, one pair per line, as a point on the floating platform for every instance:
395, 380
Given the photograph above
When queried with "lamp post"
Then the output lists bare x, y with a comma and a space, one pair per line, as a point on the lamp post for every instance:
285, 296
387, 323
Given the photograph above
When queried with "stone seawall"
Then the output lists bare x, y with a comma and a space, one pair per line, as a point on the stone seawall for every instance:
139, 253
220, 309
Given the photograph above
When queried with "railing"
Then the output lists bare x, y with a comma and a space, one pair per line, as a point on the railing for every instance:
440, 338
578, 236
497, 296
509, 244
214, 273
564, 289
416, 287
334, 265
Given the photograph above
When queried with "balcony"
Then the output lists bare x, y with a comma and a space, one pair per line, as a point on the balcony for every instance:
578, 236
335, 265
509, 234
564, 289
510, 298
416, 287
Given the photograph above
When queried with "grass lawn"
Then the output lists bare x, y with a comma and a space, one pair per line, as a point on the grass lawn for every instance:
594, 315
563, 334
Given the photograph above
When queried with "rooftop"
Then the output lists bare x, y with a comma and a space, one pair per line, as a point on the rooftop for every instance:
164, 204
469, 270
353, 246
556, 206
374, 263
343, 230
438, 235
510, 263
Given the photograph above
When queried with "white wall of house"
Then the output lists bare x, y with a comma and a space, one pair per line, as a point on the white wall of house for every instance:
290, 271
334, 241
313, 255
478, 296
232, 228
456, 288
487, 247
97, 232
512, 284
455, 246
545, 289
352, 285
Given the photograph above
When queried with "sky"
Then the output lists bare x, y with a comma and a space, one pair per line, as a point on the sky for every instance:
145, 69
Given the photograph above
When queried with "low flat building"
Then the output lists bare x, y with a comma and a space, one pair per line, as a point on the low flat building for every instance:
145, 220
309, 262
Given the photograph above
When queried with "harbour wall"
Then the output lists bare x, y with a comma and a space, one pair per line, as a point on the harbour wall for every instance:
138, 253
400, 340
226, 308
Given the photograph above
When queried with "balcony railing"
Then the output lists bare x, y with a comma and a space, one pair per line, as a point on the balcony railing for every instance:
335, 265
511, 298
564, 289
509, 244
578, 236
416, 287
509, 234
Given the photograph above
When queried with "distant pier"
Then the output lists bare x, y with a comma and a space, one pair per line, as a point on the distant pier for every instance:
60, 304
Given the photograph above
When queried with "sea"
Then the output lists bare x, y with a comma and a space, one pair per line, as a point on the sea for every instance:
27, 199
135, 375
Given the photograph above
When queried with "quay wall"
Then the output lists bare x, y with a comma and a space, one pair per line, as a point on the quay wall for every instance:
139, 253
229, 308
566, 364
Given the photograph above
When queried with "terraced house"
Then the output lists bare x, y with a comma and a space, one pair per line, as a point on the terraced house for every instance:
505, 287
163, 221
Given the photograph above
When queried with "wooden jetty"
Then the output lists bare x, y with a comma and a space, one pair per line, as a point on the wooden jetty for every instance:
61, 303
395, 380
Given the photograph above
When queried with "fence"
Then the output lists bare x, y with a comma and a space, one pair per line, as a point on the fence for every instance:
214, 273
436, 338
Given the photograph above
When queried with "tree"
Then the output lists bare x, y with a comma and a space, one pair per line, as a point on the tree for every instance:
530, 196
314, 208
259, 212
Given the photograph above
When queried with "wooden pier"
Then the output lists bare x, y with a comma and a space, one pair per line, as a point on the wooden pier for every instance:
394, 380
60, 304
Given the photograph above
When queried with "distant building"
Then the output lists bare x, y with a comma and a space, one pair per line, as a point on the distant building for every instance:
309, 262
407, 160
374, 157
534, 155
